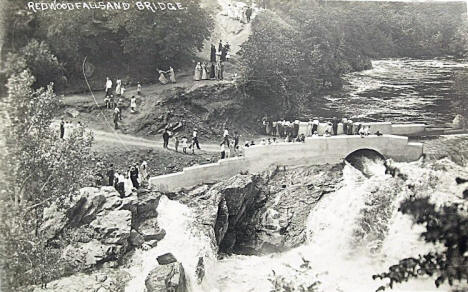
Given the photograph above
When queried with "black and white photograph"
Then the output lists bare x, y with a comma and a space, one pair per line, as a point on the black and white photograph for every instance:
234, 146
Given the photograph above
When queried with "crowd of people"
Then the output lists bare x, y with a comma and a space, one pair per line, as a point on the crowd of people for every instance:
238, 11
215, 69
183, 142
114, 99
292, 130
125, 183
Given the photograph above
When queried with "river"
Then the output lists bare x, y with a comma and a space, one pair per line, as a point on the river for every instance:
402, 90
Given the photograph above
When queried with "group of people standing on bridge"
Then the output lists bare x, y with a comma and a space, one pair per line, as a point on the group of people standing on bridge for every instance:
291, 130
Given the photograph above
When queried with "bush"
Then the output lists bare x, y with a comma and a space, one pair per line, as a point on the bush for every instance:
37, 57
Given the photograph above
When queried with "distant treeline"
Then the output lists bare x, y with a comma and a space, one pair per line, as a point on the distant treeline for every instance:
126, 44
299, 49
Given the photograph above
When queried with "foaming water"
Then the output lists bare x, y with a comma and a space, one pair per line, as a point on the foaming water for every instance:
182, 240
401, 90
352, 234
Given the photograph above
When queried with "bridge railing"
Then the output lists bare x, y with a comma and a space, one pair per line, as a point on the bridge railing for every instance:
315, 151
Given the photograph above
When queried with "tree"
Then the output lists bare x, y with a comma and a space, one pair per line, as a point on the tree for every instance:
42, 168
447, 226
37, 57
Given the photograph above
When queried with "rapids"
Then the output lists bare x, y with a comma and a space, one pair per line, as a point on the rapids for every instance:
352, 233
401, 90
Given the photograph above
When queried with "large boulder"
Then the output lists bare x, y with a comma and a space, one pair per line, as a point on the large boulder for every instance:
114, 227
81, 256
165, 259
169, 277
150, 230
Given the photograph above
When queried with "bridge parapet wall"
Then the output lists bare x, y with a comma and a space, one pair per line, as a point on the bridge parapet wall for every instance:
315, 151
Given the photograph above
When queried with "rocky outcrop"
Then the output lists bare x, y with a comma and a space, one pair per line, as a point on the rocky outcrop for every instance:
105, 280
251, 214
98, 226
222, 207
280, 222
170, 277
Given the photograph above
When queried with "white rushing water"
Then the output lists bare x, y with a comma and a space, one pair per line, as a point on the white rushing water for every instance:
352, 234
182, 240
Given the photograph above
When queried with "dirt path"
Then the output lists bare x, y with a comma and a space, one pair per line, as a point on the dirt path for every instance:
128, 140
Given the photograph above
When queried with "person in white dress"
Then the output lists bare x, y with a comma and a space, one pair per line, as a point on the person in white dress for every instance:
143, 171
133, 104
108, 86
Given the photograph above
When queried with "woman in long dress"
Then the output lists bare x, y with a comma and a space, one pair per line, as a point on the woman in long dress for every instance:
162, 78
198, 72
204, 73
172, 75
118, 90
143, 171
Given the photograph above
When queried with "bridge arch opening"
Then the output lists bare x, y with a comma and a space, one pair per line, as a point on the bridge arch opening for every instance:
369, 161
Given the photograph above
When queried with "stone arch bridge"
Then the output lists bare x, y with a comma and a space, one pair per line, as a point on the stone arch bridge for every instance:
315, 151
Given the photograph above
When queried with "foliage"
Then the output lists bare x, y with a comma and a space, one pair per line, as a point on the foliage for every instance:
118, 41
302, 48
446, 226
37, 57
42, 168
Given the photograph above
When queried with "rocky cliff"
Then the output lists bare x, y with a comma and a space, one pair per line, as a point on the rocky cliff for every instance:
97, 231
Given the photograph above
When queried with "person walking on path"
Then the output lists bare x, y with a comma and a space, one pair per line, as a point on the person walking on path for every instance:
184, 144
172, 75
111, 175
198, 72
162, 79
108, 86
248, 13
220, 46
118, 87
165, 138
195, 141
116, 117
62, 129
133, 104
138, 88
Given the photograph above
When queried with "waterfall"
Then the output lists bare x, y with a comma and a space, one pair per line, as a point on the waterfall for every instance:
182, 240
352, 233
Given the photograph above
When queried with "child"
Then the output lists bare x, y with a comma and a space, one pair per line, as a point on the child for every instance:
184, 144
139, 88
176, 143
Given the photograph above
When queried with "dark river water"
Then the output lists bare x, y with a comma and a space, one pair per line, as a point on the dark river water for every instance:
401, 90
